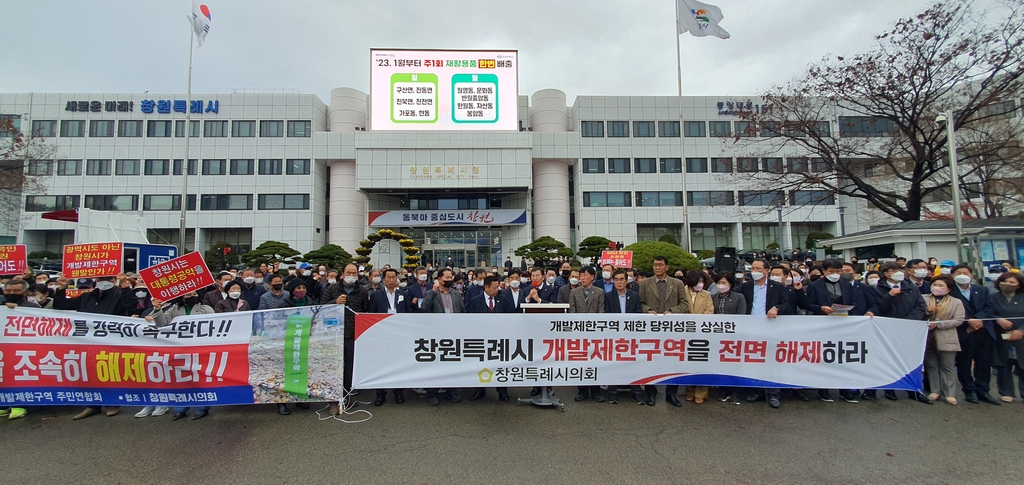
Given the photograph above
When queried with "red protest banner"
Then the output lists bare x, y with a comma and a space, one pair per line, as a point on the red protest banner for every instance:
619, 259
72, 293
178, 276
13, 259
93, 260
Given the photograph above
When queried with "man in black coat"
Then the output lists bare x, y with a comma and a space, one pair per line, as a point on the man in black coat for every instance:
898, 298
977, 337
351, 294
622, 300
764, 297
490, 301
390, 300
540, 291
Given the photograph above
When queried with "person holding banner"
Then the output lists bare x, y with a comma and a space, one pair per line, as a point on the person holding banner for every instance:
390, 300
768, 298
1006, 305
898, 298
661, 295
111, 296
490, 301
14, 297
622, 300
728, 302
977, 338
700, 302
442, 299
163, 313
587, 299
946, 313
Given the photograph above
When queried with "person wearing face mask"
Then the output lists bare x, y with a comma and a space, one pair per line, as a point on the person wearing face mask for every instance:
898, 298
814, 274
945, 313
329, 279
1006, 306
871, 278
918, 274
508, 263
298, 296
40, 295
604, 279
390, 299
700, 303
441, 299
216, 294
571, 282
252, 289
562, 279
234, 301
540, 291
275, 298
587, 298
374, 285
794, 300
945, 267
516, 293
977, 338
15, 296
143, 305
623, 301
551, 277
419, 287
403, 283
111, 296
476, 285
163, 313
347, 292
768, 298
728, 302
307, 276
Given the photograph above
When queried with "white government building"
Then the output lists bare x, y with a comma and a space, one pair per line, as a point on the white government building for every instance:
289, 167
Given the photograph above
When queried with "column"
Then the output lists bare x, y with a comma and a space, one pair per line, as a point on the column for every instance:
550, 177
347, 206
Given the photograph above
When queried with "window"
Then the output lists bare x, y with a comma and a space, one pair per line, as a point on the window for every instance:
618, 165
941, 194
865, 126
298, 128
695, 129
773, 165
241, 167
659, 199
671, 165
298, 166
710, 198
606, 199
112, 202
997, 111
129, 128
710, 236
770, 198
593, 165
126, 167
40, 167
811, 197
668, 129
821, 129
618, 129
284, 202
270, 166
191, 167
797, 165
166, 202
97, 167
721, 165
215, 129
746, 165
759, 236
819, 165
768, 129
226, 202
719, 128
44, 128
654, 232
193, 129
101, 128
69, 167
744, 128
696, 165
72, 128
15, 121
158, 167
214, 167
47, 203
593, 129
272, 128
643, 129
158, 129
645, 165
243, 128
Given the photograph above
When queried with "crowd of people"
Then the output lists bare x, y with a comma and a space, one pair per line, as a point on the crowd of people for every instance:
973, 329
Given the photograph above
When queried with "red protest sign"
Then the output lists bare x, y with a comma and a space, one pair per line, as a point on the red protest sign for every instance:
73, 293
178, 276
13, 259
93, 260
619, 259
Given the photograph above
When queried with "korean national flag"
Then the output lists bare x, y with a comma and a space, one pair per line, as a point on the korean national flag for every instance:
200, 21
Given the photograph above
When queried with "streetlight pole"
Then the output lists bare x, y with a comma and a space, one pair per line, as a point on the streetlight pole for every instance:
955, 182
842, 220
782, 248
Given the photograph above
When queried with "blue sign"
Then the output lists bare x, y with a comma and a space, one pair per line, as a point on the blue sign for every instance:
166, 106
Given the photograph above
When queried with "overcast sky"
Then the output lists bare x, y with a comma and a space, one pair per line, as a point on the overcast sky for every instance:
598, 47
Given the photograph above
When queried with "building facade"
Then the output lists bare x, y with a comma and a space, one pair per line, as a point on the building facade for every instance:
291, 168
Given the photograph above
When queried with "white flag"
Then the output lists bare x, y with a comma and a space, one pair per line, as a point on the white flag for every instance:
200, 21
699, 19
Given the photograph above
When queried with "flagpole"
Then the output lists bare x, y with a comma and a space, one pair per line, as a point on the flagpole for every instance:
188, 133
682, 137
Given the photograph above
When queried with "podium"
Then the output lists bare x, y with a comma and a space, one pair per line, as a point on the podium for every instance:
545, 398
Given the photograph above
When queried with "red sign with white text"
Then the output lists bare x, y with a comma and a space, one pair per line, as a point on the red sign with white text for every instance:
13, 259
93, 260
619, 259
178, 276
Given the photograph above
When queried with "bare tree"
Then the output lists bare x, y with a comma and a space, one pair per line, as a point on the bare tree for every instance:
24, 159
865, 126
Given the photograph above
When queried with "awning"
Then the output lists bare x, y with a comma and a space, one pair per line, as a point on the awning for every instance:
70, 215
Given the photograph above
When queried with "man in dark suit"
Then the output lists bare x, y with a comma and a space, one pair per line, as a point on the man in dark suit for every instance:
977, 337
515, 294
898, 298
476, 284
768, 298
490, 301
622, 300
390, 300
540, 291
587, 298
443, 299
418, 287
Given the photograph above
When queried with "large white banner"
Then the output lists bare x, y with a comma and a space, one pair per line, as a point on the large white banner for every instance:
467, 350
